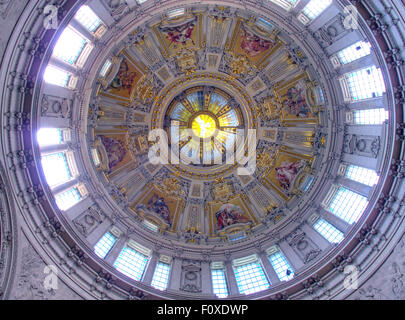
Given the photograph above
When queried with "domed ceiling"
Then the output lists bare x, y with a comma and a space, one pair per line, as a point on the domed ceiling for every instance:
208, 140
208, 77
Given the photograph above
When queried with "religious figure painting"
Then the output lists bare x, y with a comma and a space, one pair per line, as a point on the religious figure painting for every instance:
287, 172
287, 169
179, 34
256, 48
295, 103
253, 45
229, 214
180, 38
158, 205
125, 78
116, 151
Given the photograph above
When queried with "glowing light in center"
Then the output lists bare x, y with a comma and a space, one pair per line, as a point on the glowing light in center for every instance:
204, 126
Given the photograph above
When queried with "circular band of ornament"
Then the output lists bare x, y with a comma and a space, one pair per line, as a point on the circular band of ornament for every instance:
164, 101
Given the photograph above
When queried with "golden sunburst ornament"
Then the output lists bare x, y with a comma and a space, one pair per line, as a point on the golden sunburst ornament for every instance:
204, 126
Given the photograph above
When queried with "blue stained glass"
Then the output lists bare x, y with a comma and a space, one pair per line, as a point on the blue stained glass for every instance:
251, 278
68, 199
56, 168
131, 263
104, 245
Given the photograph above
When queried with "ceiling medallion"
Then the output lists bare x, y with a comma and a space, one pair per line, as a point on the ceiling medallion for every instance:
204, 122
211, 97
239, 99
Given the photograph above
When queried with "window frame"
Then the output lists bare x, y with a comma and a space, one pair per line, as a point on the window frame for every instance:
138, 250
70, 82
70, 163
156, 280
249, 286
273, 251
106, 253
334, 194
80, 189
78, 61
328, 235
223, 285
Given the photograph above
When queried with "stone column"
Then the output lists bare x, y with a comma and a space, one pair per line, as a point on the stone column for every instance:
154, 259
268, 268
174, 283
294, 260
97, 233
206, 277
116, 250
230, 276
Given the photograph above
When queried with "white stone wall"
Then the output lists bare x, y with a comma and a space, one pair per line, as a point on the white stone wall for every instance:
387, 283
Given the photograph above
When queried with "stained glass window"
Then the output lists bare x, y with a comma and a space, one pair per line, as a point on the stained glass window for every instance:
160, 278
200, 115
131, 263
281, 266
251, 278
328, 231
348, 205
105, 244
181, 113
196, 100
219, 285
217, 102
56, 168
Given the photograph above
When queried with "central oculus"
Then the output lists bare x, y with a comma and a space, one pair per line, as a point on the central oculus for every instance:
206, 119
204, 126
